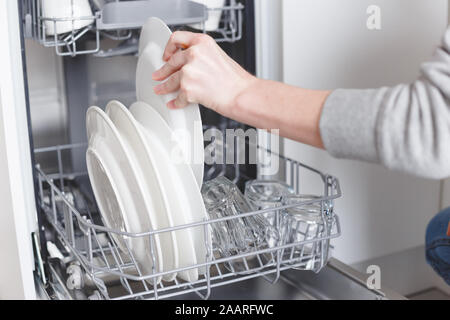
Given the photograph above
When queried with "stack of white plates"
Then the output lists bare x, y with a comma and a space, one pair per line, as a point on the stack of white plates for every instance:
144, 177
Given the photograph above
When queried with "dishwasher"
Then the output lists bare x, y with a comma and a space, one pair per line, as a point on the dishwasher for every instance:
94, 61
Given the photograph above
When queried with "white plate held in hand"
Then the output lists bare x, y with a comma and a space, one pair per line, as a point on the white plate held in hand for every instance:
186, 122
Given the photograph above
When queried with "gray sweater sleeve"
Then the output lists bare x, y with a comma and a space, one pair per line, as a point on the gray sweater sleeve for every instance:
406, 127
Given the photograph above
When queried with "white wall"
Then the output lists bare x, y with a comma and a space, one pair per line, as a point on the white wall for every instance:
325, 44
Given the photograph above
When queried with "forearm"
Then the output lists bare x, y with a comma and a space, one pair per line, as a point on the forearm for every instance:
404, 127
203, 73
272, 105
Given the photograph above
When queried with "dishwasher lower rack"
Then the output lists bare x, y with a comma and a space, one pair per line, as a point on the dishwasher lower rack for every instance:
93, 249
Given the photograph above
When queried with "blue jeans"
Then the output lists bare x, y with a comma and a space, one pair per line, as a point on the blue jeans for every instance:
438, 244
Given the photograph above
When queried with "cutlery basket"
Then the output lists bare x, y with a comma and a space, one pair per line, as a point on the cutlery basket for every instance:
118, 21
107, 272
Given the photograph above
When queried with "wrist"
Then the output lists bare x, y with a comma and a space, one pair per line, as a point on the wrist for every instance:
242, 97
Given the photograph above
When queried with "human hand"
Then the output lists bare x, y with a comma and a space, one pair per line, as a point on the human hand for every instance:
202, 73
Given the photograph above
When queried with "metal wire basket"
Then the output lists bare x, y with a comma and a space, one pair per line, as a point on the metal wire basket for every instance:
99, 258
73, 42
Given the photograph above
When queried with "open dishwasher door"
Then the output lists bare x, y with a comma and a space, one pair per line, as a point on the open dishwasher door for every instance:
336, 281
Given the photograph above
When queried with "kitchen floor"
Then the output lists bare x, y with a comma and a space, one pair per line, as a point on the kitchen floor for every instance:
408, 273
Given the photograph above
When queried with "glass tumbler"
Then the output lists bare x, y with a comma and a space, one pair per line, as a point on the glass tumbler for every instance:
234, 236
266, 194
301, 223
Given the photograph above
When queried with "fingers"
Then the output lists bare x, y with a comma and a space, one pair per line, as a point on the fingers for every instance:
171, 85
176, 62
179, 40
180, 102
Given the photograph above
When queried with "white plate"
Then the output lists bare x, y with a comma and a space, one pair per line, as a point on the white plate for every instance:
106, 141
105, 188
143, 160
154, 30
186, 122
177, 180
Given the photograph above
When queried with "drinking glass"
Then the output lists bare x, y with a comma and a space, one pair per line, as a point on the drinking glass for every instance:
266, 194
301, 223
235, 236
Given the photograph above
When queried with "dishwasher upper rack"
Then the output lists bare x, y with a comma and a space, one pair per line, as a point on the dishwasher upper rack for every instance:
69, 43
99, 257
